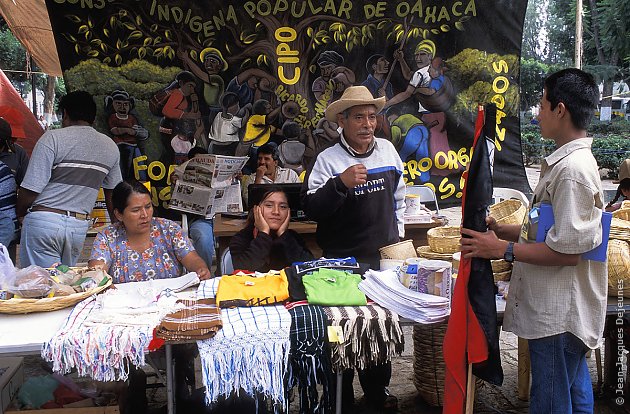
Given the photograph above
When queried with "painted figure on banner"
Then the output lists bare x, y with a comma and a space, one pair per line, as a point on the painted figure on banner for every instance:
125, 129
213, 84
334, 77
181, 123
434, 94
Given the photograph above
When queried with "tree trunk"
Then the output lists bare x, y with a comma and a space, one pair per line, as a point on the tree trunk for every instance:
49, 97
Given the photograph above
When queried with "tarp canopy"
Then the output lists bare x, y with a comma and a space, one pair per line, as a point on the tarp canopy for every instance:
29, 22
24, 126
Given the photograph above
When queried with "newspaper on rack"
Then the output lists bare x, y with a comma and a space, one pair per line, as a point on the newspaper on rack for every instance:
208, 186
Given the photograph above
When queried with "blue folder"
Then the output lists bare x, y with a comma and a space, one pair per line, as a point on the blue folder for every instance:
546, 220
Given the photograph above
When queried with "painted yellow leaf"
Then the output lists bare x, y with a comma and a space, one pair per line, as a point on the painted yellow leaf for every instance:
398, 36
118, 59
250, 39
171, 54
435, 31
459, 26
142, 52
112, 21
193, 54
123, 13
107, 60
147, 41
445, 28
312, 68
136, 34
364, 41
129, 26
106, 32
157, 52
139, 20
83, 29
381, 25
168, 35
309, 31
74, 19
227, 48
93, 53
154, 27
89, 23
76, 49
118, 44
103, 47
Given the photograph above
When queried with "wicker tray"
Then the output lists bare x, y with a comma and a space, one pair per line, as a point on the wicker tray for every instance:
508, 212
622, 213
618, 268
620, 229
500, 265
502, 276
426, 253
444, 239
17, 306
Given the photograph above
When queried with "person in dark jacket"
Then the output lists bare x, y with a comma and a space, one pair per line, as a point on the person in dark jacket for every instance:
266, 242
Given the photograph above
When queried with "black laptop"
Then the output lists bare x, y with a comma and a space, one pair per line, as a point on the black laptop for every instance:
256, 191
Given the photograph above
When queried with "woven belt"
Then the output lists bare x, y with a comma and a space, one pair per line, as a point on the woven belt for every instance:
79, 216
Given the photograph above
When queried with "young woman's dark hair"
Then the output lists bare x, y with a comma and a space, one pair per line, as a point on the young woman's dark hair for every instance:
79, 106
623, 185
185, 76
577, 90
122, 192
262, 196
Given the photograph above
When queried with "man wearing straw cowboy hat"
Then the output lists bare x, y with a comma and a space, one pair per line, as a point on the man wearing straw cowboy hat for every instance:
355, 192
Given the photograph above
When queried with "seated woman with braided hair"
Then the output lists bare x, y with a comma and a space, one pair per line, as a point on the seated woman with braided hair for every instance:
141, 247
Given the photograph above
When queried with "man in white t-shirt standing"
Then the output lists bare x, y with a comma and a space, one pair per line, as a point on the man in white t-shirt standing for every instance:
67, 168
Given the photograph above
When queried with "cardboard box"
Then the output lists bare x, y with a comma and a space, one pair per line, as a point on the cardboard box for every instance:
11, 379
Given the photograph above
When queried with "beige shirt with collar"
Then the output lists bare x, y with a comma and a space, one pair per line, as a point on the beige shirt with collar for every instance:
550, 300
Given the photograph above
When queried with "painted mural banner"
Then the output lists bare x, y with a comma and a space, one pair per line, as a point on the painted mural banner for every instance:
232, 75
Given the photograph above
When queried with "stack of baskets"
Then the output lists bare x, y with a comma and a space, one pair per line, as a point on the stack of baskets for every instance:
443, 242
619, 254
428, 362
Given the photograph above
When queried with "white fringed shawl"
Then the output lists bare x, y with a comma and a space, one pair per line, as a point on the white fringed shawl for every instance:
105, 333
251, 352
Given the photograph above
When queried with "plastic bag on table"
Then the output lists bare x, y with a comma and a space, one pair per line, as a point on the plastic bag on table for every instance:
30, 282
7, 269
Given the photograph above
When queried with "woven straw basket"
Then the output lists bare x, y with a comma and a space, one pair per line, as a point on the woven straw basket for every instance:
500, 265
508, 212
620, 229
502, 276
426, 253
622, 213
399, 251
17, 306
444, 239
428, 362
618, 268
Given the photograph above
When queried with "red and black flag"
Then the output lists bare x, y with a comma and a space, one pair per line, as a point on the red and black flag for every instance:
472, 336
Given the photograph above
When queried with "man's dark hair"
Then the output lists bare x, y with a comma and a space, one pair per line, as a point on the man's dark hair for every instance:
270, 148
372, 61
577, 90
291, 130
122, 192
79, 106
196, 151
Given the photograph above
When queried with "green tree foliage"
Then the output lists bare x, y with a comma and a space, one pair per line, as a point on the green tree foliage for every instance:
12, 57
138, 77
477, 64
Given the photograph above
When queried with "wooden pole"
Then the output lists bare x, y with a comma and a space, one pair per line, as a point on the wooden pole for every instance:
470, 391
578, 34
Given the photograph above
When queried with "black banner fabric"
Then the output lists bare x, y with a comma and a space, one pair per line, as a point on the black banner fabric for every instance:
180, 65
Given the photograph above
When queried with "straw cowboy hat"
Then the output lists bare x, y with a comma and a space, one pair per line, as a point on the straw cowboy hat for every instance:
353, 96
215, 53
624, 171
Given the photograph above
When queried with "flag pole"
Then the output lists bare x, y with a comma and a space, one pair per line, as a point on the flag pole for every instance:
470, 391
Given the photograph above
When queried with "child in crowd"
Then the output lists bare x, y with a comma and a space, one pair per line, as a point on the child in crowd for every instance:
624, 186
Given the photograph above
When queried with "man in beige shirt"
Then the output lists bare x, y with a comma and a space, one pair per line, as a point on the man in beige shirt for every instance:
557, 298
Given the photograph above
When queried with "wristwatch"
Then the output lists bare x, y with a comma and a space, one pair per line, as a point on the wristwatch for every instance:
508, 256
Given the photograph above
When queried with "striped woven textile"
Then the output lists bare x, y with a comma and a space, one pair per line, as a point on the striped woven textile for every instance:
309, 360
200, 319
371, 336
250, 354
